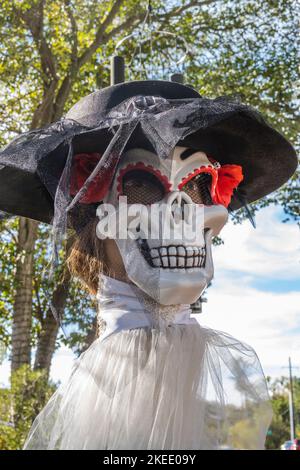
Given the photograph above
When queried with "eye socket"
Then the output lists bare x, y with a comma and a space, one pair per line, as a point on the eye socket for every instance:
198, 188
142, 187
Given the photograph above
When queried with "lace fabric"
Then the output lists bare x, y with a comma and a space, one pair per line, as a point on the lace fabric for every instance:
184, 387
173, 386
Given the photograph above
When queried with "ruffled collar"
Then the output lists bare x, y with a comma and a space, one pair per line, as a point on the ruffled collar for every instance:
123, 306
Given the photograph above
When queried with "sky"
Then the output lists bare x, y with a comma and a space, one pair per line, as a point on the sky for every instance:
255, 294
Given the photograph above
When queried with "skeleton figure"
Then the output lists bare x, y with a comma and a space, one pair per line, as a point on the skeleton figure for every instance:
154, 378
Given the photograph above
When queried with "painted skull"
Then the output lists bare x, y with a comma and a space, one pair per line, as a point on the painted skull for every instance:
177, 211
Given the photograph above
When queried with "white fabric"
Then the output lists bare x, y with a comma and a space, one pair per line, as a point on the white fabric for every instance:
121, 309
179, 386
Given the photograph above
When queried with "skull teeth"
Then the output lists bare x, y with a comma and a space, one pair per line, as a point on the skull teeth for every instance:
173, 256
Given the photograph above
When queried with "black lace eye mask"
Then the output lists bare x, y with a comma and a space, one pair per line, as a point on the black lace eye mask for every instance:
198, 188
142, 187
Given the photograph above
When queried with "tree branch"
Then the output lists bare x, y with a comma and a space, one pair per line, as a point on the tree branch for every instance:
65, 87
127, 24
87, 54
34, 21
11, 233
43, 113
178, 11
74, 38
39, 310
78, 62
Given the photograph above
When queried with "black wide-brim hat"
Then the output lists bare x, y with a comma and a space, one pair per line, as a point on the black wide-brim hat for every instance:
155, 114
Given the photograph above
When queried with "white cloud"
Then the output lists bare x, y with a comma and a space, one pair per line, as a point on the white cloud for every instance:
61, 367
272, 249
4, 373
62, 364
268, 321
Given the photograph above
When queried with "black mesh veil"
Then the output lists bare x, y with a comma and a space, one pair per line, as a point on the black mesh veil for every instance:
225, 129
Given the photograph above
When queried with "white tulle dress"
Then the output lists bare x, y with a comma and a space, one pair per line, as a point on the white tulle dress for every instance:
156, 381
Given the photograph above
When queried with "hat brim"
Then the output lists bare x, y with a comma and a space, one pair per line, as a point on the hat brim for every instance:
23, 194
267, 159
234, 135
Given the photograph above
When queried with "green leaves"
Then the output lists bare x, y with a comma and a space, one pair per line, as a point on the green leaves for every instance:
19, 405
280, 425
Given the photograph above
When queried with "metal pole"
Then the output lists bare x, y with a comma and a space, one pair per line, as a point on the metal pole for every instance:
291, 403
117, 70
177, 77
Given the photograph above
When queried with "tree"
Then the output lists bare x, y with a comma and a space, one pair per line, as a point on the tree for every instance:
52, 52
22, 319
20, 404
55, 45
280, 426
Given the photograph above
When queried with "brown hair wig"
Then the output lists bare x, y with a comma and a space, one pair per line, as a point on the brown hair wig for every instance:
86, 257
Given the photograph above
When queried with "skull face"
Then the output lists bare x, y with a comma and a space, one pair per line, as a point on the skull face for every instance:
169, 258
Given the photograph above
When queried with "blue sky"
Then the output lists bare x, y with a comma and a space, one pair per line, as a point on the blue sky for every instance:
255, 295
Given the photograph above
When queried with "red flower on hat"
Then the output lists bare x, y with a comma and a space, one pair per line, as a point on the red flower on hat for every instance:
83, 165
229, 177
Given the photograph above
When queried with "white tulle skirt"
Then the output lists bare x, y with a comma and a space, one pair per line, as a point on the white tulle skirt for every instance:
182, 387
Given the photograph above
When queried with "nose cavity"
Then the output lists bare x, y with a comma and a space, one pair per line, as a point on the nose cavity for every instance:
179, 206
